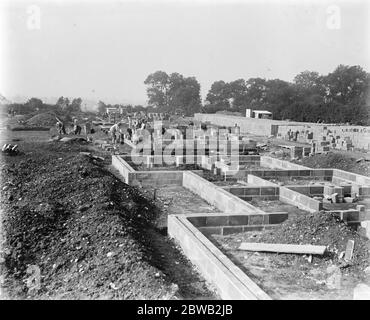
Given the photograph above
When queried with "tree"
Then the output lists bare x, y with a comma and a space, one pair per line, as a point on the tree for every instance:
347, 84
218, 96
278, 95
237, 91
308, 80
256, 93
184, 94
34, 104
309, 87
75, 106
63, 103
173, 93
157, 90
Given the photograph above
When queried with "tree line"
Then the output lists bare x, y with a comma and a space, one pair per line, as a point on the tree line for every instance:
63, 105
341, 96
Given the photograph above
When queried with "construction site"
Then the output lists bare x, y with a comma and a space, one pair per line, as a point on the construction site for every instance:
204, 211
184, 154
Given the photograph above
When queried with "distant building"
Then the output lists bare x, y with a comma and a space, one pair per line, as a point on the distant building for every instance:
258, 114
116, 110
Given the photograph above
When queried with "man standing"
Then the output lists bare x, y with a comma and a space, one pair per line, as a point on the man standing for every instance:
59, 127
76, 127
115, 132
129, 133
87, 128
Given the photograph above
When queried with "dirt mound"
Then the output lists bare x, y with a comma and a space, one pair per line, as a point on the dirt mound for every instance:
336, 161
321, 229
81, 227
46, 119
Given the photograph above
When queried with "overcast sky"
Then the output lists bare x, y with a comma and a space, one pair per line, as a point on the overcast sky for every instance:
105, 50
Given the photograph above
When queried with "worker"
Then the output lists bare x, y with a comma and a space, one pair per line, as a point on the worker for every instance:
129, 133
87, 128
296, 135
76, 127
236, 129
115, 132
121, 134
61, 128
289, 134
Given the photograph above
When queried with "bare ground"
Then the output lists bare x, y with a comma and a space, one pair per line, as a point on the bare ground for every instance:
68, 222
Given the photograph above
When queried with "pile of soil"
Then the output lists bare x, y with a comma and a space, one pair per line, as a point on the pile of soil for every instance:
82, 228
336, 161
321, 229
46, 119
298, 276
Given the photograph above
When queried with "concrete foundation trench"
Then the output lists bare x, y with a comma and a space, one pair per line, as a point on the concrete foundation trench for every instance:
215, 202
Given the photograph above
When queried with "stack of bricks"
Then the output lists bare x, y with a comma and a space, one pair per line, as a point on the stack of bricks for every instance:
330, 190
320, 146
335, 141
299, 152
347, 144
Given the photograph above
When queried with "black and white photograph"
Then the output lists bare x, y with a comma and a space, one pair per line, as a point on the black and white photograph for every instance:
179, 153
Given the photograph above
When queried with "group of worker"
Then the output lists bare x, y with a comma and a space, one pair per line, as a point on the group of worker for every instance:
76, 127
292, 135
117, 132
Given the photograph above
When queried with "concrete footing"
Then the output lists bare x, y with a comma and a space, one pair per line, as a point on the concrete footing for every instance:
190, 231
230, 281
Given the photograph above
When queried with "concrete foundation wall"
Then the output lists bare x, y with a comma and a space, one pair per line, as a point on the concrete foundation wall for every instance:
216, 196
123, 168
156, 178
289, 196
247, 125
359, 184
274, 163
162, 160
252, 179
313, 174
300, 200
148, 178
230, 281
313, 190
226, 230
356, 178
249, 193
227, 224
221, 219
360, 136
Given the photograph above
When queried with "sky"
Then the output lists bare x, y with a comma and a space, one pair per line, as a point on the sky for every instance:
104, 50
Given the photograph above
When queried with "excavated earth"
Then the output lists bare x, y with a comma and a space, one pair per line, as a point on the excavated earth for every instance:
72, 230
294, 276
342, 161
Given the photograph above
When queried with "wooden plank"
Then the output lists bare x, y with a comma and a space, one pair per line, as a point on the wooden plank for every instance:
283, 248
349, 250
